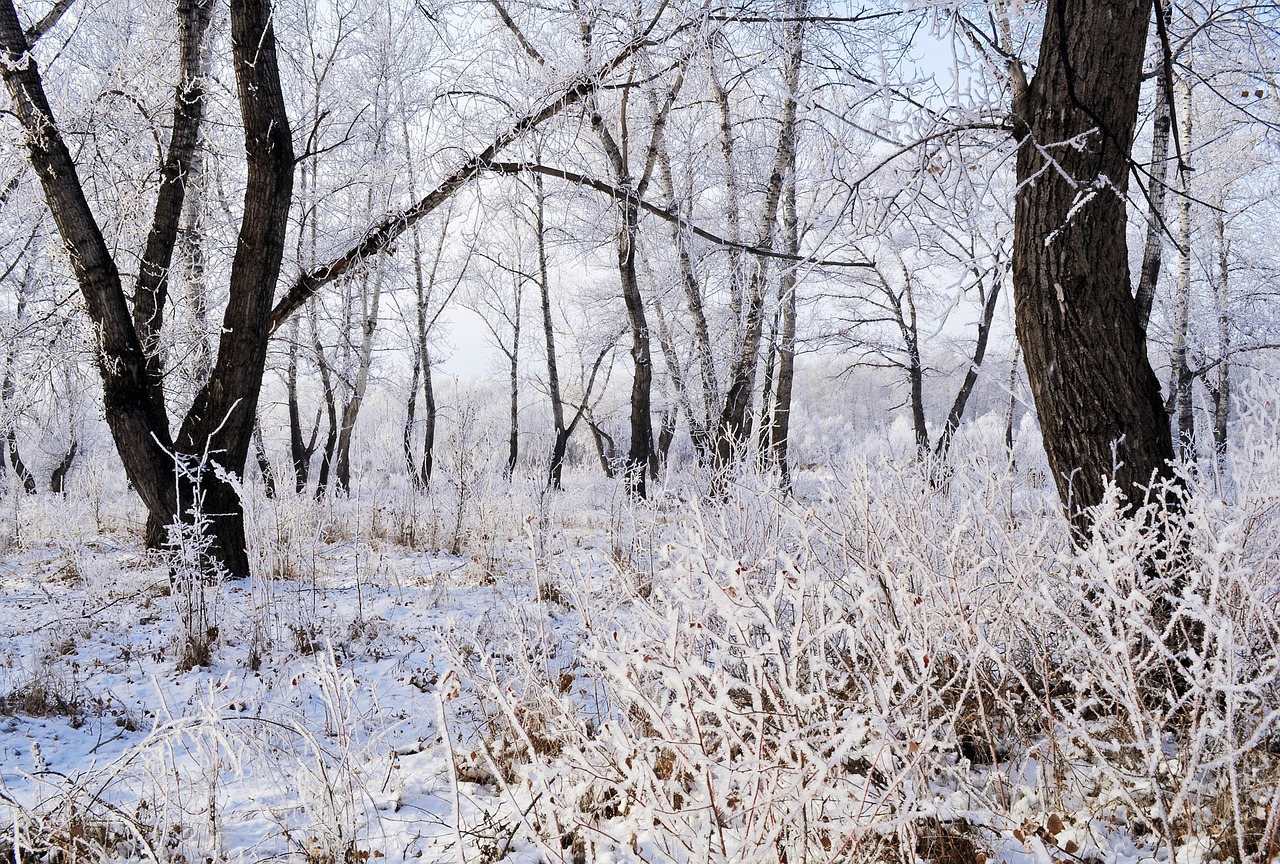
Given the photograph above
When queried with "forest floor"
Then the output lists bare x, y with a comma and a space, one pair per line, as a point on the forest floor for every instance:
871, 670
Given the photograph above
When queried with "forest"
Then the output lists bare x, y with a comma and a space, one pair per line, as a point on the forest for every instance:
665, 431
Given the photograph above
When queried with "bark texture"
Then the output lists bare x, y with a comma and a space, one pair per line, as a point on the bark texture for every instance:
1097, 397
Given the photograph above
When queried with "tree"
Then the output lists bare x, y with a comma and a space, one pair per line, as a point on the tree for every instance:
1095, 392
214, 437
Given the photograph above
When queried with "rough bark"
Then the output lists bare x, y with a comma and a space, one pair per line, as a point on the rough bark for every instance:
152, 287
222, 417
133, 402
1084, 350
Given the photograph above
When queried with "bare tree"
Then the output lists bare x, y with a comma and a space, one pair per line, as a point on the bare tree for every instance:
217, 430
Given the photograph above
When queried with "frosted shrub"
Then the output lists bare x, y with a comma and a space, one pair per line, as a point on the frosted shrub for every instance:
891, 672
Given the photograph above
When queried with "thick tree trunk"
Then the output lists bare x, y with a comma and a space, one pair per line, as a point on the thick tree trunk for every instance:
1097, 397
217, 429
222, 418
133, 401
781, 433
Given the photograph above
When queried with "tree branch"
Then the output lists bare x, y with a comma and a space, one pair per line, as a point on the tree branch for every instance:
45, 24
663, 213
384, 233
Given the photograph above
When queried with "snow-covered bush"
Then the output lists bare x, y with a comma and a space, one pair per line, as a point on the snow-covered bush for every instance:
892, 672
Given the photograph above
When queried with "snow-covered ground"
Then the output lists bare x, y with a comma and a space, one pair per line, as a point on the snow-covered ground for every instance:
871, 670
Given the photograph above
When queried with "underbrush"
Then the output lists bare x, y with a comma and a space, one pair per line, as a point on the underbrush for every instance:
887, 672
871, 669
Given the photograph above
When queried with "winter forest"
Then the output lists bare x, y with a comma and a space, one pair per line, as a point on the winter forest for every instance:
664, 431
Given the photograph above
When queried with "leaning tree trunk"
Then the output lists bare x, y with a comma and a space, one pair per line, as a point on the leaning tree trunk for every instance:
958, 405
1096, 395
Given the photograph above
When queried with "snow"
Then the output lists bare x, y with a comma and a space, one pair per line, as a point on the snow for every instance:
596, 679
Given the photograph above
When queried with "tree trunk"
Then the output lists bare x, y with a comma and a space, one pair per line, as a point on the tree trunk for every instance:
428, 422
264, 463
180, 165
1181, 371
167, 473
221, 420
1149, 275
513, 434
19, 467
787, 342
133, 401
733, 428
956, 414
641, 361
351, 411
700, 425
1221, 389
300, 449
605, 447
330, 406
58, 479
560, 444
1097, 397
